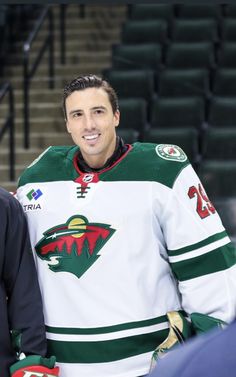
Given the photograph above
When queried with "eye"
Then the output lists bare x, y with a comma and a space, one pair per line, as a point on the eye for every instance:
99, 111
77, 114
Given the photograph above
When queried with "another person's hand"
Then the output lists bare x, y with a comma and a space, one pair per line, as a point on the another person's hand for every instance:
35, 366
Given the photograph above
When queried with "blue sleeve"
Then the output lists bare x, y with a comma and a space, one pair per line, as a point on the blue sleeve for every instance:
211, 354
20, 299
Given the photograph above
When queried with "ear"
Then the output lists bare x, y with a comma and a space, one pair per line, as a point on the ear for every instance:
67, 126
117, 118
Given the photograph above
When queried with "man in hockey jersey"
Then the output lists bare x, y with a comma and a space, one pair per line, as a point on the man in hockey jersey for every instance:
125, 238
22, 330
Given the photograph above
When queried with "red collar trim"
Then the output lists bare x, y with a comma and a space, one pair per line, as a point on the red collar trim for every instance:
104, 170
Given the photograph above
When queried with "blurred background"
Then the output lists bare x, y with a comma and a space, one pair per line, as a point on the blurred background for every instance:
173, 67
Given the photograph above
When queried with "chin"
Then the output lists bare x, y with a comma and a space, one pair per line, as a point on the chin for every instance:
91, 151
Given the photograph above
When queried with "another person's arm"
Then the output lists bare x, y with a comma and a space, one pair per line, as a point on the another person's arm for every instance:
24, 304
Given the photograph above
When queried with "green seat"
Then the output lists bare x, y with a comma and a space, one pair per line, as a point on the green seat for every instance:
132, 83
222, 112
224, 82
228, 28
220, 144
226, 207
184, 82
152, 11
218, 178
187, 139
227, 55
195, 30
129, 136
137, 56
230, 10
144, 31
214, 11
178, 112
133, 116
191, 55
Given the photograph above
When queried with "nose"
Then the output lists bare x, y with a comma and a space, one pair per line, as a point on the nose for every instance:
89, 123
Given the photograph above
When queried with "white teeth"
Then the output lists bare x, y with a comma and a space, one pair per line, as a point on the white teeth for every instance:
91, 137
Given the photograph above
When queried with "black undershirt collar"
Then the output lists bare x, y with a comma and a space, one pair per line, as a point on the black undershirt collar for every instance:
120, 149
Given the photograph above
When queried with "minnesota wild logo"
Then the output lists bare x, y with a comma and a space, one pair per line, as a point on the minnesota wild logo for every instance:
73, 247
171, 152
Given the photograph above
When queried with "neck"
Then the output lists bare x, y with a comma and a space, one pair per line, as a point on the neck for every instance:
95, 162
95, 165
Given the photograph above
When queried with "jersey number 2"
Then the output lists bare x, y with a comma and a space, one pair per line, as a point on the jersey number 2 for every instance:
204, 206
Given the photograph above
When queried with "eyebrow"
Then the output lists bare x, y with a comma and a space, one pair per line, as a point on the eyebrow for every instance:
93, 108
98, 107
74, 111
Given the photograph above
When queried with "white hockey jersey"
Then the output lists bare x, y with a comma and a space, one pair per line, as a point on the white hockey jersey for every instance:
116, 250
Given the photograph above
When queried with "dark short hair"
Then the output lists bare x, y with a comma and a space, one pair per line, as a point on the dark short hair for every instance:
89, 81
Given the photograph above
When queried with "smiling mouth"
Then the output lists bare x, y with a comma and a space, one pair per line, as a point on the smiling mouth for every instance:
91, 137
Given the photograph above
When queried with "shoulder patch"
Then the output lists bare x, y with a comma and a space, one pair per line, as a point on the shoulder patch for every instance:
171, 152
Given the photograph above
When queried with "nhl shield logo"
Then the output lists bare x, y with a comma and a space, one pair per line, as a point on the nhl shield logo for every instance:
73, 247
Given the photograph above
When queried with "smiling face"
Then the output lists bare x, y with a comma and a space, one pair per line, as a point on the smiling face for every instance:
92, 123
